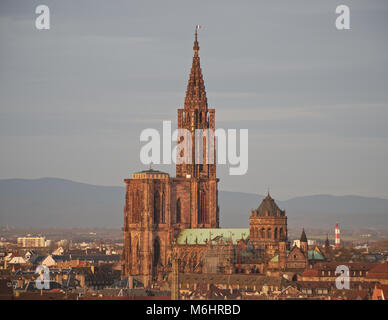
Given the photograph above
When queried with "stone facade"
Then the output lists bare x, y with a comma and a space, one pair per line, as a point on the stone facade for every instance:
268, 226
158, 206
168, 218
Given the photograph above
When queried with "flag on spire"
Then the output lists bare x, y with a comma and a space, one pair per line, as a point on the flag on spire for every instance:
198, 27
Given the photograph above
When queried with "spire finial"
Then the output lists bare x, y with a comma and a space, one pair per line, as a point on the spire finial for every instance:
303, 237
196, 45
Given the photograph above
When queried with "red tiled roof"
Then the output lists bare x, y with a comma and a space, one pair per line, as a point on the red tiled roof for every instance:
383, 287
358, 294
380, 271
380, 292
353, 266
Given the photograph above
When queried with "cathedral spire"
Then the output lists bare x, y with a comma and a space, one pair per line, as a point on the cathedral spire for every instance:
303, 237
196, 45
195, 93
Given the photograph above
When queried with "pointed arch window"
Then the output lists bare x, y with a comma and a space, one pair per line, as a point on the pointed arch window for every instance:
156, 255
156, 207
178, 211
136, 207
162, 208
202, 207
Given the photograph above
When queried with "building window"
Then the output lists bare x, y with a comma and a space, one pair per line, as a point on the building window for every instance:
136, 207
202, 207
156, 257
178, 211
156, 208
162, 208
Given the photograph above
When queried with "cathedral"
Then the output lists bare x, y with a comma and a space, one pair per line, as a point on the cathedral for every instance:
167, 218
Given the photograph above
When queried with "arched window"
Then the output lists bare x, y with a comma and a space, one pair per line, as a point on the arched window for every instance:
136, 207
156, 208
156, 254
178, 211
201, 207
269, 235
276, 233
162, 209
137, 256
262, 233
281, 234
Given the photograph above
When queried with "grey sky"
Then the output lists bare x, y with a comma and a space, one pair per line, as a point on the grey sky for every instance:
74, 99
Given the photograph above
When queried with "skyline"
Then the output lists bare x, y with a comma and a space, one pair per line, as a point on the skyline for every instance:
317, 114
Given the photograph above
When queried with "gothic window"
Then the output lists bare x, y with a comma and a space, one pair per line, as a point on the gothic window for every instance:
132, 208
178, 211
201, 207
269, 234
276, 233
162, 209
156, 253
136, 207
137, 255
156, 208
281, 234
262, 233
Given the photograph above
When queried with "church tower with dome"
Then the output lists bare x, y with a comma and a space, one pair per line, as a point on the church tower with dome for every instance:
268, 226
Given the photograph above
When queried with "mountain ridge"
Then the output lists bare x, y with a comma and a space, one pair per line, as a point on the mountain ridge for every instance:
48, 202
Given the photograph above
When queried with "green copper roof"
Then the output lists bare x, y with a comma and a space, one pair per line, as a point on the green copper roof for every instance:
202, 235
315, 255
276, 258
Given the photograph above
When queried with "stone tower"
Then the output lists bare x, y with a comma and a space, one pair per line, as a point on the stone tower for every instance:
268, 226
196, 117
157, 206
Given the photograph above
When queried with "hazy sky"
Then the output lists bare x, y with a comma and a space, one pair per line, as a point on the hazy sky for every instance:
74, 99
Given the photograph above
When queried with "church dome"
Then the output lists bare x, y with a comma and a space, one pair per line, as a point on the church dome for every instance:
269, 208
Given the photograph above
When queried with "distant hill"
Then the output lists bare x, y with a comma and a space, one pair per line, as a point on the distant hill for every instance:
316, 211
51, 202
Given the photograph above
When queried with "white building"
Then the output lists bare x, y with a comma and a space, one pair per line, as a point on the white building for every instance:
29, 242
